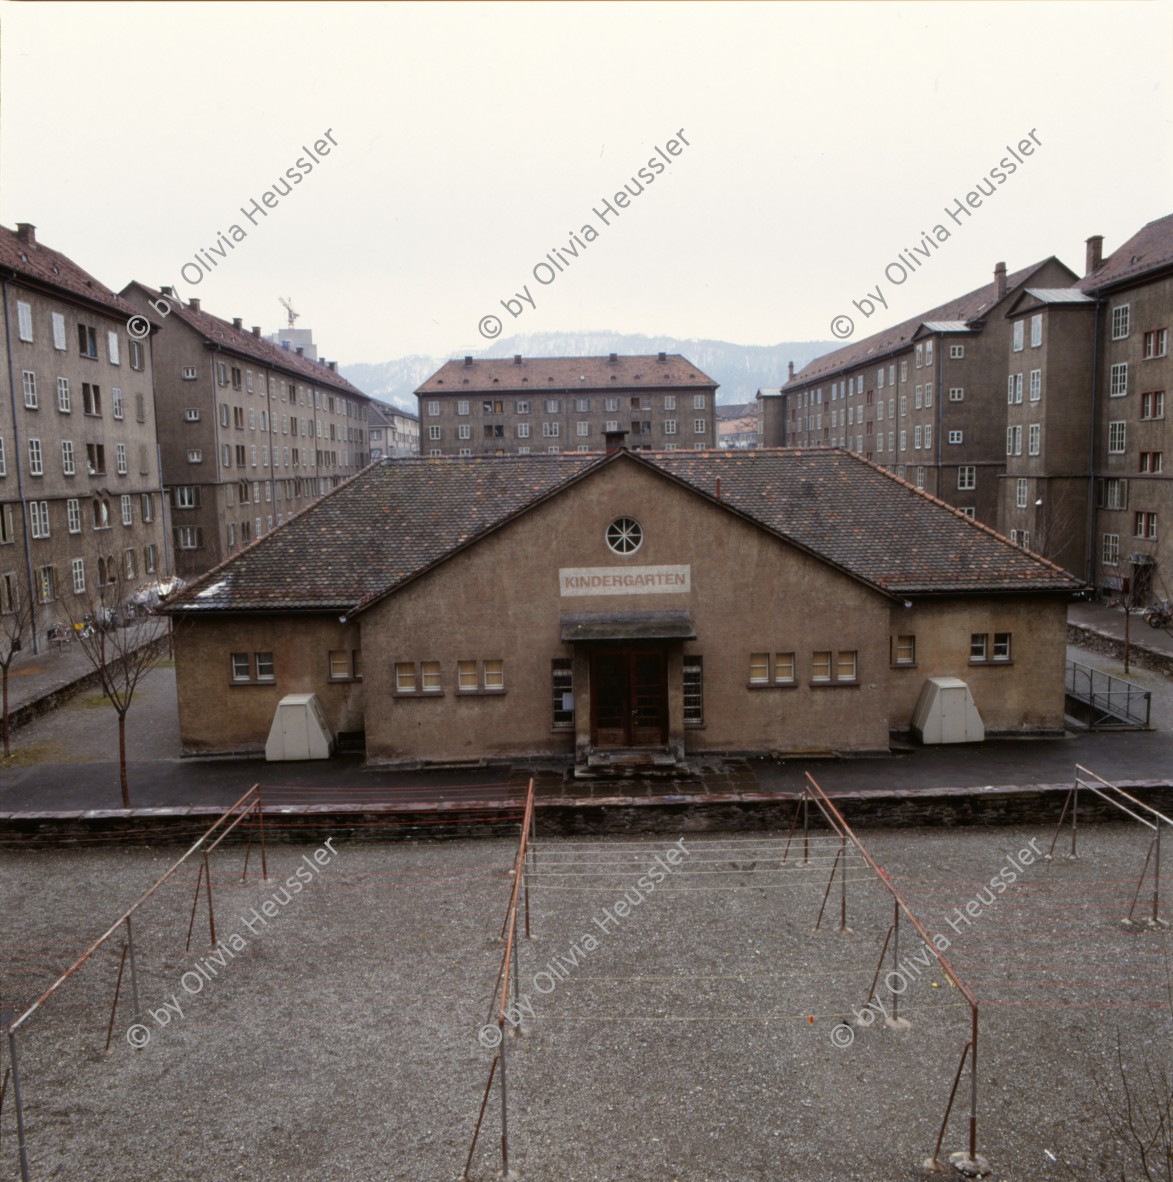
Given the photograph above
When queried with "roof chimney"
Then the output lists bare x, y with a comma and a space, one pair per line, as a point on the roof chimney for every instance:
663, 357
237, 323
999, 280
333, 366
468, 360
614, 441
614, 358
516, 359
1095, 252
27, 232
790, 371
194, 304
165, 290
256, 330
300, 350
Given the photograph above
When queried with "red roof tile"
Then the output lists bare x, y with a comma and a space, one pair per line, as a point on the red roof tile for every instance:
1149, 249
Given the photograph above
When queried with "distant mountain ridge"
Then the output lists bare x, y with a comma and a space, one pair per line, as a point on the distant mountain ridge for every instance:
739, 370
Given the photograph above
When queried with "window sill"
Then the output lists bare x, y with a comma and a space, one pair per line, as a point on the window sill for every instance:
835, 684
903, 665
771, 685
995, 664
344, 680
417, 695
480, 693
253, 683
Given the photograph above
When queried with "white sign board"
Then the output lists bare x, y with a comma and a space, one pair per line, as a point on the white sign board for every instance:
624, 580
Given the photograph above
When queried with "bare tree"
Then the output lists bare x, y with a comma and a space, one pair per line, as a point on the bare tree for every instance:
16, 626
122, 641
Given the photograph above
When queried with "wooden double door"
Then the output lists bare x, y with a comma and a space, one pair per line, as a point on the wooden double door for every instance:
629, 697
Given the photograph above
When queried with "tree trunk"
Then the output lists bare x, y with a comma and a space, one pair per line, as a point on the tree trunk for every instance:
4, 716
122, 759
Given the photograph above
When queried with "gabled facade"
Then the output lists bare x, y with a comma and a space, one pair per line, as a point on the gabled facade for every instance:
631, 606
393, 432
547, 405
80, 493
250, 432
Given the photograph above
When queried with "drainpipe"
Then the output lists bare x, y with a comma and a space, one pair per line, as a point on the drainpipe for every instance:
1090, 560
16, 456
940, 412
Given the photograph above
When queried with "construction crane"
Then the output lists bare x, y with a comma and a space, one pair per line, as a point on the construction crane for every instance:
288, 306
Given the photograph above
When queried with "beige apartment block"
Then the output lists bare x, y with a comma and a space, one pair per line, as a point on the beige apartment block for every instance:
548, 405
250, 432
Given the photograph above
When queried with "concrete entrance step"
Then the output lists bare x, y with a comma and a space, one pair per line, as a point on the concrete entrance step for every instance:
632, 763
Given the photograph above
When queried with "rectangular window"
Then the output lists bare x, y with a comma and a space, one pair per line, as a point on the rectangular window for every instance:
1002, 644
694, 691
64, 403
550, 430
120, 459
39, 518
339, 664
1036, 330
430, 677
670, 404
916, 438
699, 426
1156, 343
466, 676
1118, 380
918, 399
46, 584
1121, 321
784, 669
1116, 437
87, 341
241, 668
188, 373
1034, 439
29, 383
1018, 336
562, 693
846, 665
1110, 549
1036, 385
493, 675
433, 409
920, 351
58, 331
956, 393
759, 668
91, 396
523, 430
189, 537
1152, 404
903, 405
698, 402
264, 666
127, 509
434, 433
112, 348
36, 459
1014, 441
1151, 461
73, 515
904, 650
78, 568
956, 436
904, 441
1145, 526
1020, 493
820, 667
24, 318
150, 559
553, 406
977, 646
135, 348
187, 496
130, 564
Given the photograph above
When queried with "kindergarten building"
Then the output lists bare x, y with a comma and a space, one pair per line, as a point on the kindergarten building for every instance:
620, 608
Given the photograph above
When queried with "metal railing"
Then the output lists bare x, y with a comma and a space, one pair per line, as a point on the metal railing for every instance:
1113, 701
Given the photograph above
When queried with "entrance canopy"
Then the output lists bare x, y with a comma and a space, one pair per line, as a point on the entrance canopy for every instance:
628, 626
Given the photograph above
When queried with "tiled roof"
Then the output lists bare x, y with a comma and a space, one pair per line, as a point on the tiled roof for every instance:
241, 341
866, 521
46, 267
1149, 249
382, 526
397, 518
963, 311
382, 414
562, 375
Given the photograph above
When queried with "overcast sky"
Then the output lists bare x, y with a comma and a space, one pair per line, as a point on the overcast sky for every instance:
473, 139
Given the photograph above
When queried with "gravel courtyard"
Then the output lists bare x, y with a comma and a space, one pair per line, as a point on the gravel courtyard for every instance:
697, 1037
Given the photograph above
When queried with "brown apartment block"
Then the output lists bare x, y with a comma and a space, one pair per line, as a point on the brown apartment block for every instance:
1132, 375
1035, 404
925, 399
250, 432
595, 608
80, 493
539, 405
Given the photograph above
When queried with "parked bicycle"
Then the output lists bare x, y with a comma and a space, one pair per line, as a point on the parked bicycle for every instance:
1160, 615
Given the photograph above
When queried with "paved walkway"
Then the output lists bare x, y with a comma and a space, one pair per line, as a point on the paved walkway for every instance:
66, 759
1110, 620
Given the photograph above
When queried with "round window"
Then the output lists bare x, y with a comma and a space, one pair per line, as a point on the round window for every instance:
624, 535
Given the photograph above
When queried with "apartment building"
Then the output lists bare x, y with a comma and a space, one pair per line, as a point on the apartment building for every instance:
925, 399
534, 405
81, 502
1132, 374
393, 432
250, 432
